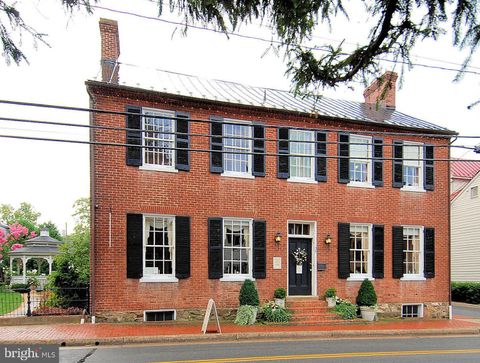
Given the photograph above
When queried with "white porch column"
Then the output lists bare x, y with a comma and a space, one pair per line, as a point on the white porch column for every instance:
50, 262
24, 261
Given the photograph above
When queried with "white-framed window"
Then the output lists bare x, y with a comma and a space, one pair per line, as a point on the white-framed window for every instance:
413, 165
158, 247
238, 163
302, 168
474, 192
360, 251
237, 248
412, 311
158, 137
413, 252
360, 162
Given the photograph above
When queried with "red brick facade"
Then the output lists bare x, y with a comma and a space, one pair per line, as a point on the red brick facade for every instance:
200, 194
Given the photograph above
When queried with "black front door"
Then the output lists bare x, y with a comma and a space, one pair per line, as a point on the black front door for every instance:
299, 271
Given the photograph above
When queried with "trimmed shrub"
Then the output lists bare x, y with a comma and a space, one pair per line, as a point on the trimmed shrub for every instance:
468, 292
246, 315
274, 313
248, 294
20, 287
366, 294
346, 310
330, 292
280, 293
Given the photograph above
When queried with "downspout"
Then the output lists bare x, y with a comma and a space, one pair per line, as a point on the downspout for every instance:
450, 309
92, 102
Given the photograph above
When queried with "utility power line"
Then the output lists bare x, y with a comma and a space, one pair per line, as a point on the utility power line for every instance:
434, 134
115, 144
271, 41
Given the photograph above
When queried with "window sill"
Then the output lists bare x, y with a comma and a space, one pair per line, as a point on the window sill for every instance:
360, 278
413, 278
235, 175
234, 278
158, 168
167, 279
360, 185
413, 189
301, 180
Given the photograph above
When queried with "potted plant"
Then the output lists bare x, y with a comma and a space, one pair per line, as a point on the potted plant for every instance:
248, 297
367, 300
331, 297
279, 295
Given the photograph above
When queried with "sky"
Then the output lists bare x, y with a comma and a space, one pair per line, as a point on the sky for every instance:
51, 176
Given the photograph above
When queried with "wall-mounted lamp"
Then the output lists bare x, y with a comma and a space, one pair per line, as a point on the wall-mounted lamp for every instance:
278, 237
328, 239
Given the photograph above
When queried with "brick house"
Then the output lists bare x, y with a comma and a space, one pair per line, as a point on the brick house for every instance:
174, 227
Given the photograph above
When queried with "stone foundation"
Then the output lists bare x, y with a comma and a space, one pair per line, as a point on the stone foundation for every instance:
182, 315
431, 310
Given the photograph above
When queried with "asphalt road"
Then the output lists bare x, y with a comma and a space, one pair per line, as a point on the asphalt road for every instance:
464, 310
435, 350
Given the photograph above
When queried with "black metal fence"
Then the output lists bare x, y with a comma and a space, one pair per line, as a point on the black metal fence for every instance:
15, 302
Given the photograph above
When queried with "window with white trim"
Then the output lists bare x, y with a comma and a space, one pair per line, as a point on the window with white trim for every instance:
237, 247
412, 311
239, 162
474, 192
413, 252
413, 165
158, 138
159, 245
302, 168
360, 166
360, 250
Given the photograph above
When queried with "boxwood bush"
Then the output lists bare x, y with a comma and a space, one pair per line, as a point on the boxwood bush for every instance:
346, 310
248, 294
468, 292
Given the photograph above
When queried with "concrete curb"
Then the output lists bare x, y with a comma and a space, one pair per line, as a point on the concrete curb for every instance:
249, 336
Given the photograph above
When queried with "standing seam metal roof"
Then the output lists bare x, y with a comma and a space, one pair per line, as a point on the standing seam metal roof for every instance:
236, 93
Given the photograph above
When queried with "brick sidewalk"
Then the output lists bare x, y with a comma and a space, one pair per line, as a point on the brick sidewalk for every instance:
87, 334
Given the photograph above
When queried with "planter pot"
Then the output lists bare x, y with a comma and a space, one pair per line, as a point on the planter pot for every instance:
368, 313
331, 302
280, 302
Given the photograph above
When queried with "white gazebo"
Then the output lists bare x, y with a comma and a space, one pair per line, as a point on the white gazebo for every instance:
37, 251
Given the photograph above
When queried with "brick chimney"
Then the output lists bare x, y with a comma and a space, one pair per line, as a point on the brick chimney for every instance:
110, 44
382, 91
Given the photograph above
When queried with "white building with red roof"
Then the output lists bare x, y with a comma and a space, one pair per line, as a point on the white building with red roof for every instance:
465, 220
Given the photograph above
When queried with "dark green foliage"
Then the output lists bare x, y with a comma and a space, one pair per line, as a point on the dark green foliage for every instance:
330, 292
20, 287
274, 313
280, 293
346, 310
468, 292
366, 294
248, 294
67, 286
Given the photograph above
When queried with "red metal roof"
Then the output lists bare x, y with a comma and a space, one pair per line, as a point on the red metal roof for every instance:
465, 169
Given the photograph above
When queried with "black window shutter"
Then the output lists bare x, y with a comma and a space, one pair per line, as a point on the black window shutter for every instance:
259, 150
182, 160
398, 255
182, 247
283, 150
378, 162
429, 253
134, 121
216, 144
343, 160
215, 248
343, 250
428, 167
397, 164
321, 157
378, 251
134, 246
259, 250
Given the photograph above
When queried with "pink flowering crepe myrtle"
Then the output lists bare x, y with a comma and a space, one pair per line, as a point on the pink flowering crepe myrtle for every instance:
16, 246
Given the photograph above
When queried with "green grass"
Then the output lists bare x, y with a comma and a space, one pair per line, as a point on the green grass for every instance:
9, 301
